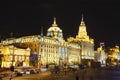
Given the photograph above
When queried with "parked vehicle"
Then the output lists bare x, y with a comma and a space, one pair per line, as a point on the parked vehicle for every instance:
56, 69
16, 73
74, 66
81, 66
30, 71
43, 69
4, 74
23, 70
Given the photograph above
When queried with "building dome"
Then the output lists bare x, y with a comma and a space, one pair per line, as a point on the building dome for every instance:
54, 27
54, 31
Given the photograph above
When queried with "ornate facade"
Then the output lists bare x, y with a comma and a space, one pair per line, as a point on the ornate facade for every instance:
14, 56
86, 43
51, 48
100, 55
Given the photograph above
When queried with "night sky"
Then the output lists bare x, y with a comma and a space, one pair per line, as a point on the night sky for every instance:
102, 18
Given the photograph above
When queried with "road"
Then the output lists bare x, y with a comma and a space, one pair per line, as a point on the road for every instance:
30, 77
86, 74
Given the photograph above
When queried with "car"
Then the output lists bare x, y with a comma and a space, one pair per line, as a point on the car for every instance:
74, 66
56, 69
30, 71
16, 73
43, 69
37, 70
23, 70
4, 74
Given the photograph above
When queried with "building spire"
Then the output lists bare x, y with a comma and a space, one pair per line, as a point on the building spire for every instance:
82, 21
82, 18
54, 22
11, 34
41, 32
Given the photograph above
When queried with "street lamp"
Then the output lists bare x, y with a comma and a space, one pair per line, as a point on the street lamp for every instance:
39, 60
13, 49
12, 66
13, 55
47, 60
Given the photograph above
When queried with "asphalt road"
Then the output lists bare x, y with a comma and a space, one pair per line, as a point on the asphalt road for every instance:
86, 74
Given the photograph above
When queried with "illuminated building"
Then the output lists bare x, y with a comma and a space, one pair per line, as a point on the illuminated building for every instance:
118, 56
74, 53
101, 55
51, 48
14, 56
114, 52
86, 43
112, 56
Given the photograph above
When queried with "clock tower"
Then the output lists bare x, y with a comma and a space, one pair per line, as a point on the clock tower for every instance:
82, 33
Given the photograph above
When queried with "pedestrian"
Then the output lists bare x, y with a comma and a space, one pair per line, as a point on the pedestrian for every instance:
12, 68
91, 78
82, 77
76, 77
10, 78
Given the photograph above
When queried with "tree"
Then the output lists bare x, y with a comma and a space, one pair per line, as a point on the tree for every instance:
33, 59
108, 61
1, 56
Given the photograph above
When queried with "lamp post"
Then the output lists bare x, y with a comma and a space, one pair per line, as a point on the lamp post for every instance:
12, 66
13, 56
47, 60
40, 60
